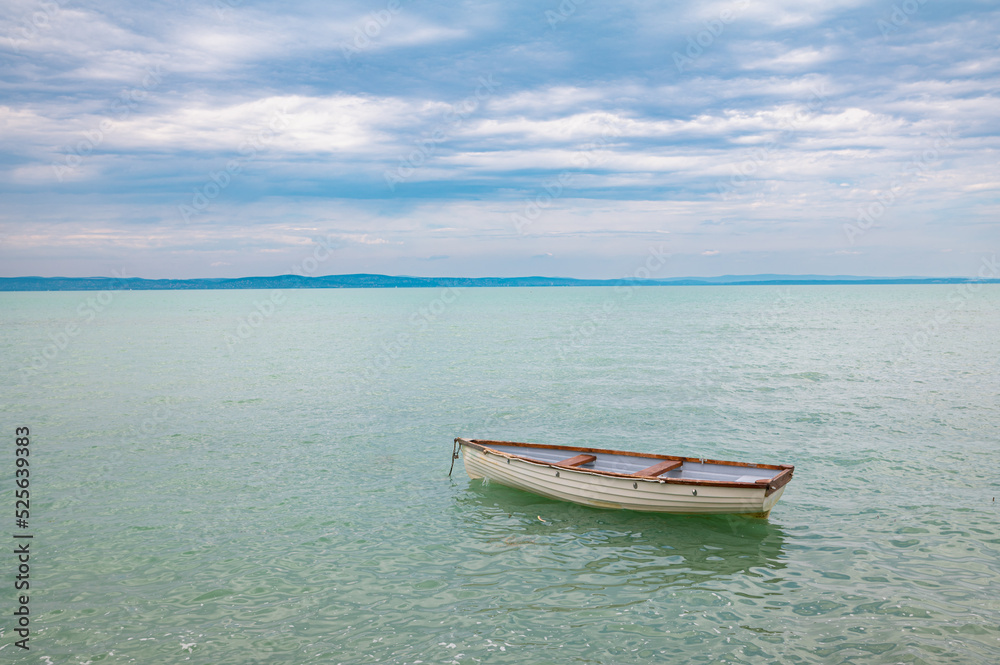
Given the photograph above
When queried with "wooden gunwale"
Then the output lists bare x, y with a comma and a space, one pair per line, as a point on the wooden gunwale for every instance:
774, 483
779, 480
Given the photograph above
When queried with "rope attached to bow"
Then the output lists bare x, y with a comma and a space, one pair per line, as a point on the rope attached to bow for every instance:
454, 455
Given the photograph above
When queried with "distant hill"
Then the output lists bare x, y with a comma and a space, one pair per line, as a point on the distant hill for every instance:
366, 281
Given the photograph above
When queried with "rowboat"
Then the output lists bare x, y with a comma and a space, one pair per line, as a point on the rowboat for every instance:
627, 480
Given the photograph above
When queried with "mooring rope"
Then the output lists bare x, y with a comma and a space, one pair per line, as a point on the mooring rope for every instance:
454, 455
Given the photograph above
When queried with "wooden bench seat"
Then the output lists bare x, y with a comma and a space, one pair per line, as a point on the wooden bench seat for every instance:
658, 469
577, 461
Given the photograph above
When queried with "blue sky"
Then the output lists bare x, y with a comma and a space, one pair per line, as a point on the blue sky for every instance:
227, 138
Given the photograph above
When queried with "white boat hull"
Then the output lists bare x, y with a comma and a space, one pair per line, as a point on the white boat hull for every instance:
628, 493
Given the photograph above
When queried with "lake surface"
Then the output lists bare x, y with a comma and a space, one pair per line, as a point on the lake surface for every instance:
242, 477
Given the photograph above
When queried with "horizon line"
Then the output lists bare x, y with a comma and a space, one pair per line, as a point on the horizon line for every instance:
407, 276
376, 280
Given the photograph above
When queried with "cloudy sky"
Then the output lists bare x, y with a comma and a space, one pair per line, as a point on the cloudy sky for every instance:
235, 137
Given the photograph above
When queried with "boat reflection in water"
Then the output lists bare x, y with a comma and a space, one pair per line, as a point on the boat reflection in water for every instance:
596, 548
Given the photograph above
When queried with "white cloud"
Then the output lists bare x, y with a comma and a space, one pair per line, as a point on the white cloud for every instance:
777, 57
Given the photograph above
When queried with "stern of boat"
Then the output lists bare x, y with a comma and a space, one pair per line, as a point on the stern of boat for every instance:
769, 502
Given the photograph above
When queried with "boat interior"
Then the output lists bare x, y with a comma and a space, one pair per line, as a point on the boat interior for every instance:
642, 467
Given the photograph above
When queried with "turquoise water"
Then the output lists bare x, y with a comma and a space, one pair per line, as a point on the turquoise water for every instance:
217, 486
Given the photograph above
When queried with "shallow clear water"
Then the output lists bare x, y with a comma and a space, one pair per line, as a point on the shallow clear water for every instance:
219, 486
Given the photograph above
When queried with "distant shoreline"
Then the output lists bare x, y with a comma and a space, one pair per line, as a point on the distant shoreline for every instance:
368, 281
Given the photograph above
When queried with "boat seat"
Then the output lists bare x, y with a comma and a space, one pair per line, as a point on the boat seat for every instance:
658, 469
577, 461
